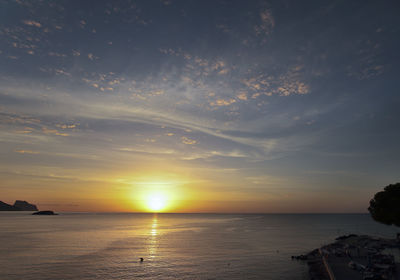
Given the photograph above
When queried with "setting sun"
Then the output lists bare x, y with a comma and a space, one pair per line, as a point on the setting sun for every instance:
155, 194
156, 202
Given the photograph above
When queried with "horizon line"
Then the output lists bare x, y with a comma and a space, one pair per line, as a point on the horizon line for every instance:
221, 213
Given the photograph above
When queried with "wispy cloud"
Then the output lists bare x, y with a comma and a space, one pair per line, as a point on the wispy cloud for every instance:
248, 88
27, 152
53, 132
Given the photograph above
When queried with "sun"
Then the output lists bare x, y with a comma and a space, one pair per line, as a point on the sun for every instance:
156, 202
155, 196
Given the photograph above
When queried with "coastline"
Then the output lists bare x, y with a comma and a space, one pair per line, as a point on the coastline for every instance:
355, 257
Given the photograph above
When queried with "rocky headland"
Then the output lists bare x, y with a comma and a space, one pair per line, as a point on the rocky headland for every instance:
355, 257
19, 205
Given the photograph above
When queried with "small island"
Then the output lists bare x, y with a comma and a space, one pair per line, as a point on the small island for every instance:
47, 212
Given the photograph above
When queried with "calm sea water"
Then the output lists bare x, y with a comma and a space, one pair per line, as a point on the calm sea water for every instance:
174, 246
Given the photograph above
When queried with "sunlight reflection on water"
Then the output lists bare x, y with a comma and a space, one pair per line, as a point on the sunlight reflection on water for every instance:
174, 246
153, 237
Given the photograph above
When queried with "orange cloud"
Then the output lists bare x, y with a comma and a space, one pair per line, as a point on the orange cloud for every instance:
26, 152
32, 23
222, 102
242, 96
65, 126
53, 132
188, 141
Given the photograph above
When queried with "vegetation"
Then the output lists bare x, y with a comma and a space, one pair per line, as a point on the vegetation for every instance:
385, 206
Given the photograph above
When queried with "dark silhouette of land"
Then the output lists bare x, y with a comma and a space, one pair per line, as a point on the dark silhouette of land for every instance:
19, 205
353, 257
47, 212
361, 257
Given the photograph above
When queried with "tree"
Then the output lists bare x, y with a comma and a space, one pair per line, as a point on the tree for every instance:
385, 206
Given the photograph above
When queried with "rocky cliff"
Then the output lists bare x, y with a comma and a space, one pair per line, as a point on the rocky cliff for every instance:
19, 205
7, 207
25, 206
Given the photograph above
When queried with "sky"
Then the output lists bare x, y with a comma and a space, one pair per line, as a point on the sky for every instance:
209, 106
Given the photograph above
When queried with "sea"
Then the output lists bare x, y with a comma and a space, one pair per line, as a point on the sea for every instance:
173, 246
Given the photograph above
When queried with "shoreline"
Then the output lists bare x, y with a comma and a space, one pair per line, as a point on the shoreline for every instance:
355, 257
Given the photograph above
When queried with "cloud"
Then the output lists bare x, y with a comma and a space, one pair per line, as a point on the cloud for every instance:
159, 113
53, 132
218, 65
285, 84
366, 72
26, 152
32, 23
188, 141
103, 81
242, 95
236, 87
233, 153
367, 62
268, 180
266, 26
292, 87
222, 102
61, 72
57, 54
25, 130
223, 71
156, 92
20, 119
66, 126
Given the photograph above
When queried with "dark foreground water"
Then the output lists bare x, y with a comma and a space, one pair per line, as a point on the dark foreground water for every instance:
174, 246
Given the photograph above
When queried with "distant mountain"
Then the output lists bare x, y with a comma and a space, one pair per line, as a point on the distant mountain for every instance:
19, 205
25, 206
7, 207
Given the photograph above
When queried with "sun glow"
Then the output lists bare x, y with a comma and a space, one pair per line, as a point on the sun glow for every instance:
156, 195
156, 202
